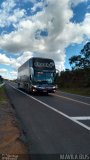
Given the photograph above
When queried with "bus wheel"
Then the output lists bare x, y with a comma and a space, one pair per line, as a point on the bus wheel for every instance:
31, 90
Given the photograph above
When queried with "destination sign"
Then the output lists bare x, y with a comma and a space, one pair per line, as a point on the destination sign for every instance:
44, 64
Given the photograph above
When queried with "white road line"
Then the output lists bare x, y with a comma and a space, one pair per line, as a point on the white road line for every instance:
55, 110
74, 94
72, 99
1, 85
82, 118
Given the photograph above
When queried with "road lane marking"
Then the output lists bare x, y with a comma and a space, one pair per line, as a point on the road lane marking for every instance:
72, 99
74, 94
82, 118
55, 110
2, 85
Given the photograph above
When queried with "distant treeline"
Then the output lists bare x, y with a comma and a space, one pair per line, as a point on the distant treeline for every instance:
74, 79
79, 76
1, 79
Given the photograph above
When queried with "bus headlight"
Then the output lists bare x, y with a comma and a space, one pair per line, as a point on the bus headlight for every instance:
54, 87
34, 86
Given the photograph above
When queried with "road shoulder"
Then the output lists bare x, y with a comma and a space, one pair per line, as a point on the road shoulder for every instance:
11, 141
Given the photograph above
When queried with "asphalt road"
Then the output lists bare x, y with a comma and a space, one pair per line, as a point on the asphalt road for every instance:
54, 124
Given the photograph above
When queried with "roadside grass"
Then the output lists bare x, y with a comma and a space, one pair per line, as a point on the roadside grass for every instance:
79, 91
2, 94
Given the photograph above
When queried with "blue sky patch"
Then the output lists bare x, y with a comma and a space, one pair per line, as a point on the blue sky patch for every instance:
79, 12
41, 33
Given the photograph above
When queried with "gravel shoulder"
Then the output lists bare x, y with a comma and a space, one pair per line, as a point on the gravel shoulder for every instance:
11, 141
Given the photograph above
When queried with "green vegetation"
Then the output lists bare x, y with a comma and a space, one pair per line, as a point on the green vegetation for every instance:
1, 79
2, 94
79, 91
74, 79
77, 80
81, 61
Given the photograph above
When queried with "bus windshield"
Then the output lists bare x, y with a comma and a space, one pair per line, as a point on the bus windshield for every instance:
47, 77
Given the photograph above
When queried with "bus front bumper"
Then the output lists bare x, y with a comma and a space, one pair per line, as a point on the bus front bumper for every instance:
44, 89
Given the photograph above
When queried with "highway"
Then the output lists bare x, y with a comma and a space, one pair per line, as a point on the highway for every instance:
55, 124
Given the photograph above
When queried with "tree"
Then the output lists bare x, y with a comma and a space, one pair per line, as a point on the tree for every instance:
86, 55
1, 79
81, 61
75, 62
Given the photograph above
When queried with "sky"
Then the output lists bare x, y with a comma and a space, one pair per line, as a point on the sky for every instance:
56, 29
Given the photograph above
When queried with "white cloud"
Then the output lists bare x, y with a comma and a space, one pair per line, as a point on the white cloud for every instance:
4, 73
9, 14
4, 59
55, 18
37, 5
23, 58
16, 16
8, 5
8, 75
10, 62
13, 73
3, 70
15, 63
86, 25
24, 38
